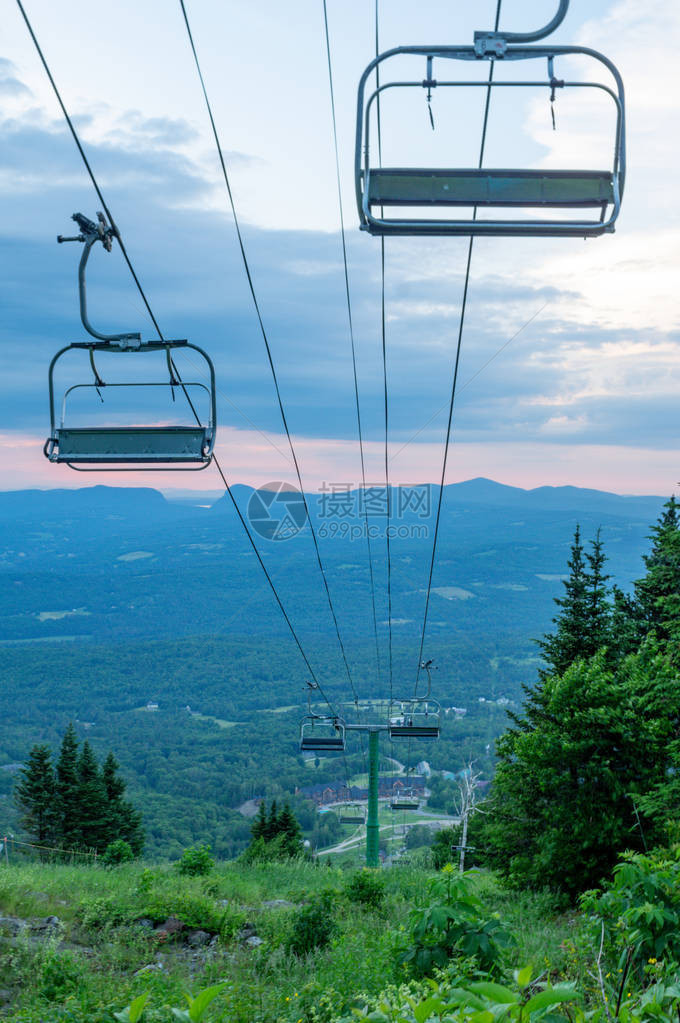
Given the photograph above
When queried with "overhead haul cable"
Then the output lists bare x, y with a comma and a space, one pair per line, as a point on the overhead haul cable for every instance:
100, 196
351, 336
267, 347
461, 324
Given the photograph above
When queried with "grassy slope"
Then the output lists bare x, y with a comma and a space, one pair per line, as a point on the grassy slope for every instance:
93, 971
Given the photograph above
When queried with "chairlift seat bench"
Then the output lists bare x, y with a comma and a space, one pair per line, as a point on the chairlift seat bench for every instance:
131, 444
551, 189
398, 730
322, 742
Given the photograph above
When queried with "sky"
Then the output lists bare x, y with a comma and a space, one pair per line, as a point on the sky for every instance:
570, 364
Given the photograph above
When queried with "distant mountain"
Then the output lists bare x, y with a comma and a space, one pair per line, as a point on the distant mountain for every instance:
107, 563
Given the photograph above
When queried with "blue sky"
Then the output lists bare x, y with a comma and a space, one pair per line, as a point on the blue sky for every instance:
586, 393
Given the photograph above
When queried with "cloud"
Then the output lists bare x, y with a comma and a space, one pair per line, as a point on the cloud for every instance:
595, 357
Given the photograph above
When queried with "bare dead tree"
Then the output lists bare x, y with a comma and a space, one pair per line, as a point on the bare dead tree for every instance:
467, 804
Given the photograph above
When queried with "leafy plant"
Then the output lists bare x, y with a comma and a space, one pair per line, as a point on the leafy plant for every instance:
195, 861
366, 887
453, 923
133, 1012
314, 925
481, 1001
639, 909
198, 1006
117, 852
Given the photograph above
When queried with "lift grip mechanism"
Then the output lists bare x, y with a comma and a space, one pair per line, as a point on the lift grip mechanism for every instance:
494, 45
92, 232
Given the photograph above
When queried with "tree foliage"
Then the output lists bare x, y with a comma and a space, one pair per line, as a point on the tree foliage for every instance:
591, 766
275, 835
78, 804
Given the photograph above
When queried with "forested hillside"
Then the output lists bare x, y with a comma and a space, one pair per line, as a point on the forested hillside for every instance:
112, 600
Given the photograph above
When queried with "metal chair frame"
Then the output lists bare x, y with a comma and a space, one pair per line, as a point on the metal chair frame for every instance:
122, 448
414, 719
333, 743
117, 461
382, 225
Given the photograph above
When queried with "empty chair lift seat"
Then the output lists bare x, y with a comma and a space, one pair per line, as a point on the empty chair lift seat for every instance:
550, 189
131, 444
323, 735
418, 719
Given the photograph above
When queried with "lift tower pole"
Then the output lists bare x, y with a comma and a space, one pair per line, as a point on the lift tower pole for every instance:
372, 825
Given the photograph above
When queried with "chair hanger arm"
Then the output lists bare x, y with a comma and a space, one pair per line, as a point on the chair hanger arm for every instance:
495, 43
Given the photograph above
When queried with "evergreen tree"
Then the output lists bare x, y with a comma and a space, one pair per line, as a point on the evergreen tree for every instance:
258, 828
658, 593
34, 795
92, 818
122, 820
625, 624
66, 790
272, 828
566, 644
290, 831
561, 809
598, 609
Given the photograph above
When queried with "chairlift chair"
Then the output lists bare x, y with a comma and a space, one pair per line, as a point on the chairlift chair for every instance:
405, 801
414, 719
110, 447
320, 734
440, 192
355, 815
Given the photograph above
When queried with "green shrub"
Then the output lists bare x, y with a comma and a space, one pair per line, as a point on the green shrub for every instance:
639, 909
195, 861
117, 852
366, 887
314, 925
453, 923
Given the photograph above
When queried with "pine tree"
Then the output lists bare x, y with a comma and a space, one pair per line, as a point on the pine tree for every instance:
92, 824
122, 820
598, 610
272, 827
290, 831
258, 828
658, 593
563, 798
625, 624
566, 644
66, 790
34, 795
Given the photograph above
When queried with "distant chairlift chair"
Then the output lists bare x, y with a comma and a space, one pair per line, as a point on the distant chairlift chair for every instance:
406, 800
321, 734
414, 719
354, 814
418, 717
110, 447
437, 191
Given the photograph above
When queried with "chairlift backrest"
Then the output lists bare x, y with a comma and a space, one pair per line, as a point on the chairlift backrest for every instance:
439, 194
414, 719
107, 445
322, 734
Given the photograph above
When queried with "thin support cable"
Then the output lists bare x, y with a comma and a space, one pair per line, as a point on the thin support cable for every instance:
461, 325
88, 168
388, 503
107, 210
265, 338
352, 341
